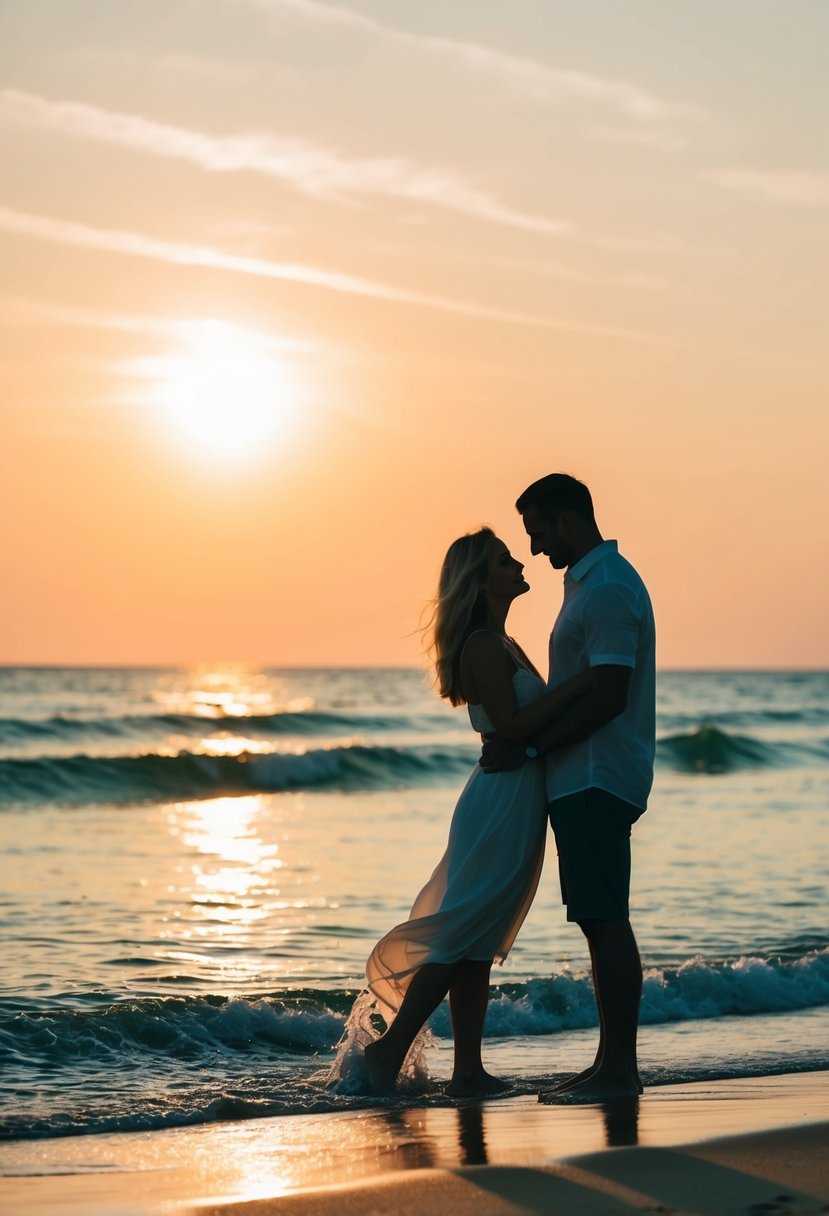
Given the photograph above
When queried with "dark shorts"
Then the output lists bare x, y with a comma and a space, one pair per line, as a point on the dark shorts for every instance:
592, 830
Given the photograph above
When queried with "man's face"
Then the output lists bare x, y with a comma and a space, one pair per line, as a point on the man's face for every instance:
548, 536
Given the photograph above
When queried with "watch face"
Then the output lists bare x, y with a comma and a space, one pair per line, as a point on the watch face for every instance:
531, 752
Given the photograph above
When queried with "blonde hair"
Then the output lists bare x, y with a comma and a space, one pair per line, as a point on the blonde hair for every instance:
458, 608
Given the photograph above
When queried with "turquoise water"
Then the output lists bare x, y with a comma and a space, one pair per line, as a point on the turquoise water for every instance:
197, 863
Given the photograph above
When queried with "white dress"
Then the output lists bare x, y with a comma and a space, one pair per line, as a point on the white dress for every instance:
476, 900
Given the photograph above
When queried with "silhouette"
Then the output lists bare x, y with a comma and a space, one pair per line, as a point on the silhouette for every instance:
600, 753
472, 907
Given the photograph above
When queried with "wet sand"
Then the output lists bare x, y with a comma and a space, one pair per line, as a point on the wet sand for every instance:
757, 1145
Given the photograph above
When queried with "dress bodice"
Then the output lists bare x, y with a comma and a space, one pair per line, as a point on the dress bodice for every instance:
528, 688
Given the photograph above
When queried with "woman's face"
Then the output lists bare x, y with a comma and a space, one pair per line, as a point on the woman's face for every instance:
505, 576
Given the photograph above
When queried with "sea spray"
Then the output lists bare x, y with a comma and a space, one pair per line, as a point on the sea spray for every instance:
348, 1075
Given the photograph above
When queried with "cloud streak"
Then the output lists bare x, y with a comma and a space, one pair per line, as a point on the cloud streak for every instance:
133, 244
17, 309
796, 189
526, 76
644, 137
307, 167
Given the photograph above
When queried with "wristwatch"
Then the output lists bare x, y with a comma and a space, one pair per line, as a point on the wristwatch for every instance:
531, 752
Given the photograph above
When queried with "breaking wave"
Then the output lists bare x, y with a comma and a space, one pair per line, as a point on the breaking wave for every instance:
255, 1056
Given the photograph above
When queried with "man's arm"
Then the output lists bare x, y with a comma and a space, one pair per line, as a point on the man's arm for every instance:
607, 698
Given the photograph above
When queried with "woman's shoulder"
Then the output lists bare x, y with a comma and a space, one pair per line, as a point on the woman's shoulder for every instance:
485, 650
483, 642
484, 653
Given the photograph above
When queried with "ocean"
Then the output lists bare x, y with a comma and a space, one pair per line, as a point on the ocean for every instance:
196, 864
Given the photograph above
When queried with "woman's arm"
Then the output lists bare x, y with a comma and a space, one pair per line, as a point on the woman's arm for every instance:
487, 670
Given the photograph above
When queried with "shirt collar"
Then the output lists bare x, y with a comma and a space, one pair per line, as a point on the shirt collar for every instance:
595, 555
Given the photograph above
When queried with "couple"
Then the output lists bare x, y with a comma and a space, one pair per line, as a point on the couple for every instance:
579, 748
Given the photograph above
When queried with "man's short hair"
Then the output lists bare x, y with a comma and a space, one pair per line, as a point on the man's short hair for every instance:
555, 493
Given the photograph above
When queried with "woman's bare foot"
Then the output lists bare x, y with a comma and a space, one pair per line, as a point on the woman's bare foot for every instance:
476, 1085
381, 1068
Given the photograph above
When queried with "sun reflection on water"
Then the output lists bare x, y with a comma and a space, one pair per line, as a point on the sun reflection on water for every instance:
229, 690
235, 877
245, 903
233, 745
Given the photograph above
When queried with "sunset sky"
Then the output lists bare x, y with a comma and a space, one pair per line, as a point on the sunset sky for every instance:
296, 292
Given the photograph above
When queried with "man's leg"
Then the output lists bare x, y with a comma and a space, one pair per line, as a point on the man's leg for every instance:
617, 971
592, 831
589, 1071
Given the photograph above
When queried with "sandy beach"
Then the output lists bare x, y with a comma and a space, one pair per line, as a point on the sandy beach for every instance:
748, 1145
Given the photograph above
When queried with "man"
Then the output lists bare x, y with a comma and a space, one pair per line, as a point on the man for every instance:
600, 755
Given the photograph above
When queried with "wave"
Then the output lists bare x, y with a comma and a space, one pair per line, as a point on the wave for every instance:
698, 989
708, 749
346, 766
175, 1061
310, 1020
193, 775
15, 731
183, 1028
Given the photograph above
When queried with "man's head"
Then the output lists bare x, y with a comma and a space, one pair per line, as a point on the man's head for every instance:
558, 517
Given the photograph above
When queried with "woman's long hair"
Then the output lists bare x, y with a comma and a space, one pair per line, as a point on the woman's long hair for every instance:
458, 608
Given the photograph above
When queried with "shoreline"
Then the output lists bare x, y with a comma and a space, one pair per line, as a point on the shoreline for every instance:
706, 1147
752, 1174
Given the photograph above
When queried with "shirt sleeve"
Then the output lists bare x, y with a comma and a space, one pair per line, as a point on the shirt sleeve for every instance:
612, 623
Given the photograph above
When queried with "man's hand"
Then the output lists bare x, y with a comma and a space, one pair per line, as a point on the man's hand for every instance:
500, 754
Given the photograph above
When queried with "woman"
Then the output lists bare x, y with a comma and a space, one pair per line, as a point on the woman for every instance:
470, 911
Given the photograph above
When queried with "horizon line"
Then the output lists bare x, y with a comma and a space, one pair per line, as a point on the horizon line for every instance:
8, 665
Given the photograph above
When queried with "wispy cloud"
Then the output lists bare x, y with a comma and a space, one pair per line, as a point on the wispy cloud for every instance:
797, 189
298, 163
20, 310
645, 137
524, 75
177, 253
556, 271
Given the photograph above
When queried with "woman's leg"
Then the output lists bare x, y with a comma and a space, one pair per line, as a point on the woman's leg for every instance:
468, 1000
385, 1056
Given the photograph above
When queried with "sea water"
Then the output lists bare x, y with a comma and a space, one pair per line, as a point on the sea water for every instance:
196, 864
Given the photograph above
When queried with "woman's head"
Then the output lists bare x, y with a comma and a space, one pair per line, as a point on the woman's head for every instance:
473, 562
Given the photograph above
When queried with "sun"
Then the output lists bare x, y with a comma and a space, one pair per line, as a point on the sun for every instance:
224, 392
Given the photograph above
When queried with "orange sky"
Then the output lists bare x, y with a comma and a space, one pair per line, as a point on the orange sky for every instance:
295, 292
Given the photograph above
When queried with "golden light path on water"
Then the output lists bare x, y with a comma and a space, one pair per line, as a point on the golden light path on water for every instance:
233, 882
246, 890
243, 893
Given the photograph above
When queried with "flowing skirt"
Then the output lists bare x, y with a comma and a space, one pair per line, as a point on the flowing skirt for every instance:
478, 896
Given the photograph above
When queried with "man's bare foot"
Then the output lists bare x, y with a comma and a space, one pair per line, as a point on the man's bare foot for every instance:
579, 1079
478, 1085
594, 1088
571, 1081
381, 1068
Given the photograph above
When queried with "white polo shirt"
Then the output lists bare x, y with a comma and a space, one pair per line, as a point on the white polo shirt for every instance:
607, 619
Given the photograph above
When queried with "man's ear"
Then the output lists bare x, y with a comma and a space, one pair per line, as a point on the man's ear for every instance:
564, 522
